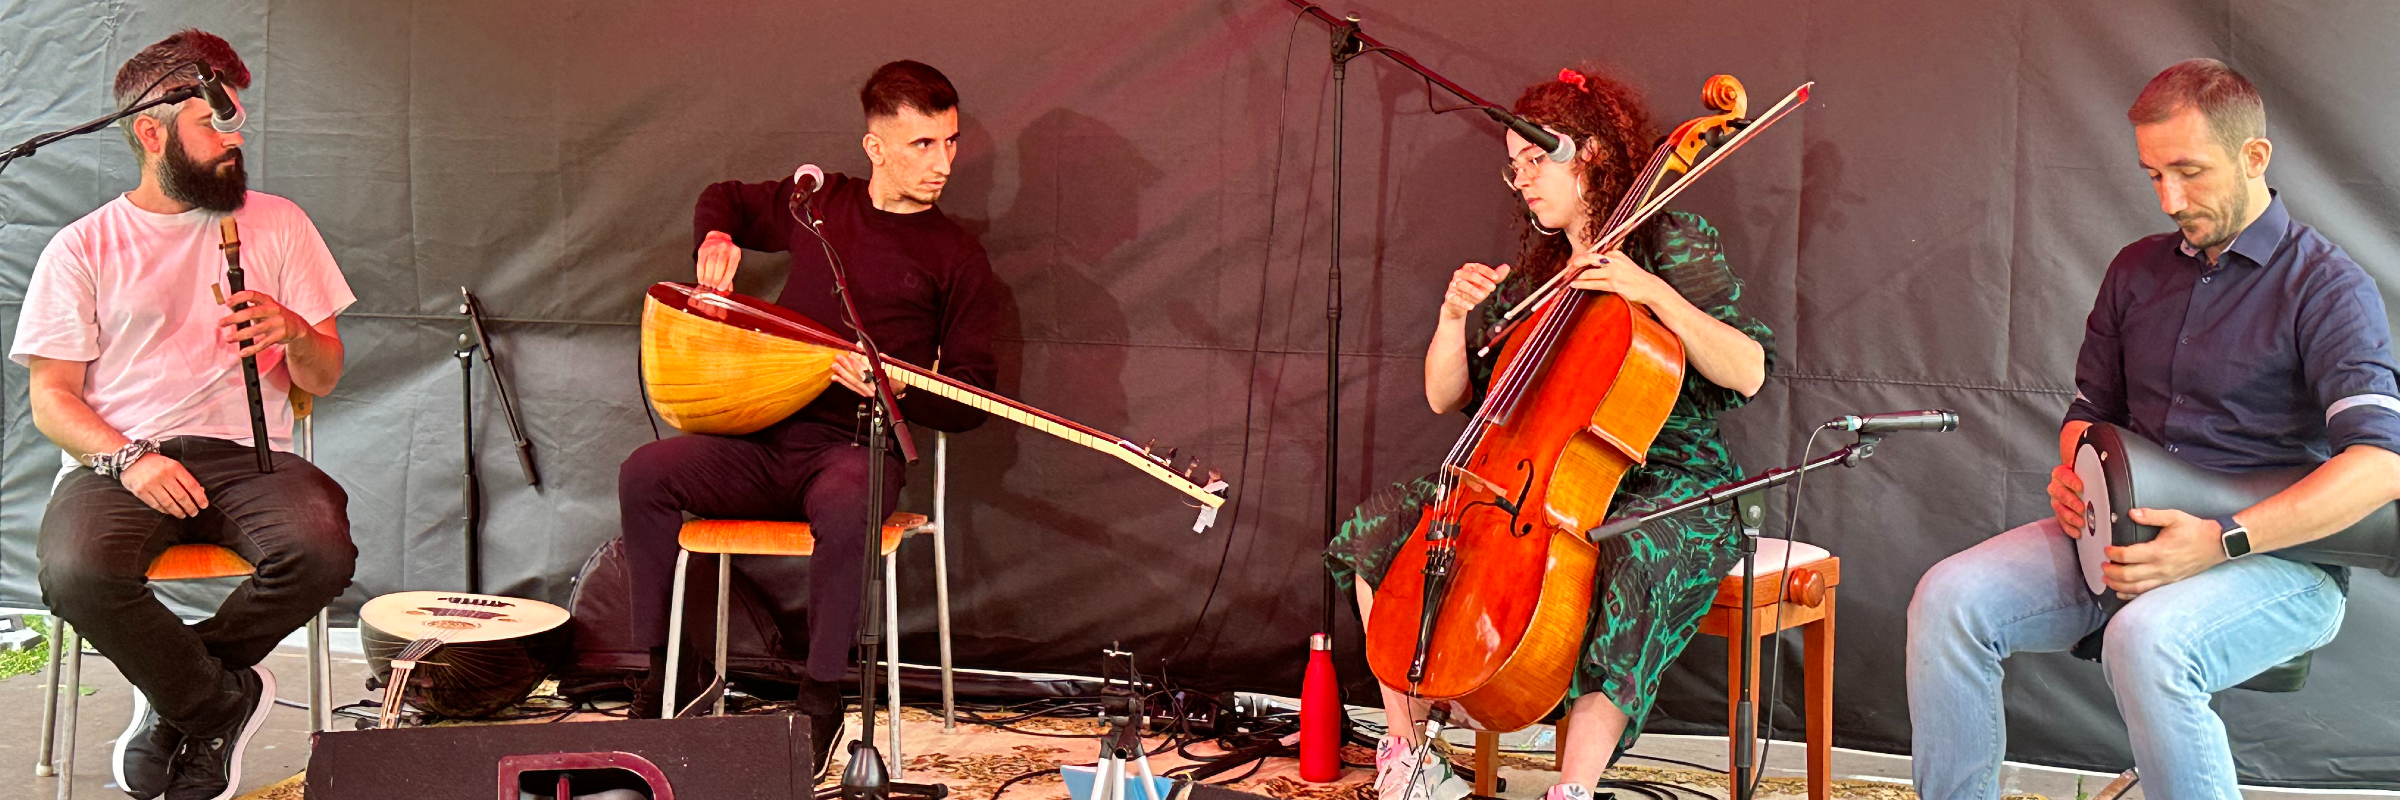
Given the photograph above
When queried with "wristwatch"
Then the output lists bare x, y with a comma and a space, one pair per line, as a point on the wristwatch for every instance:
2236, 537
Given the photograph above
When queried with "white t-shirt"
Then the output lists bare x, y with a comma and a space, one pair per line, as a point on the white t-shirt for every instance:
128, 291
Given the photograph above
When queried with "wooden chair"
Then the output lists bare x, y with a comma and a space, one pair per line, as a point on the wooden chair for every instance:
1808, 586
183, 562
1808, 606
728, 538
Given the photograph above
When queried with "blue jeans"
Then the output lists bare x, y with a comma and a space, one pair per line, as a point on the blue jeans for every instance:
2166, 652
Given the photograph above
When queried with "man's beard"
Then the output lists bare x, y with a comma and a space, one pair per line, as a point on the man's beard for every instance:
2223, 230
201, 185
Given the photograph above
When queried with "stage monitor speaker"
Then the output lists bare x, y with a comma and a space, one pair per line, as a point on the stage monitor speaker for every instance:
710, 758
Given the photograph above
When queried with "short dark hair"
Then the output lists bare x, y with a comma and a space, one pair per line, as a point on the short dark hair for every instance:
167, 66
906, 84
2227, 100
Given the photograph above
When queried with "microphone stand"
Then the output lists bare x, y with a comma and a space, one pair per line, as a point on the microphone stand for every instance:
1749, 500
473, 308
867, 777
1348, 43
26, 148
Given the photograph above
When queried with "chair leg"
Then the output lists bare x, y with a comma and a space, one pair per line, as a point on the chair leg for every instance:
891, 655
74, 690
1487, 763
42, 766
941, 574
941, 622
320, 662
724, 621
666, 706
1817, 638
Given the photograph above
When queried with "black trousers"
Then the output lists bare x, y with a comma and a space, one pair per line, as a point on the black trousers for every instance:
97, 541
794, 471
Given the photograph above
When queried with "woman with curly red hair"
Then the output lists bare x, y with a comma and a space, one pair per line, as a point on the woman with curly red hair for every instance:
1654, 585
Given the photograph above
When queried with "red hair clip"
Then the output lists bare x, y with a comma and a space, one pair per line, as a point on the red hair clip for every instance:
1573, 77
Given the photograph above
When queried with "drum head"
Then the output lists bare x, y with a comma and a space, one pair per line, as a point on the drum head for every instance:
2098, 518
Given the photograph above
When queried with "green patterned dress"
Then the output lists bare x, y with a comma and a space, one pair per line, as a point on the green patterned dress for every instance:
1652, 586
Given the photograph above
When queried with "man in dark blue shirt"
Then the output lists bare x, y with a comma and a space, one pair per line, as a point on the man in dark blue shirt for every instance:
2243, 340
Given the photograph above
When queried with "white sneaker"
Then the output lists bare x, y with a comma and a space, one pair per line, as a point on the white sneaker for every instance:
1568, 791
1391, 768
1396, 764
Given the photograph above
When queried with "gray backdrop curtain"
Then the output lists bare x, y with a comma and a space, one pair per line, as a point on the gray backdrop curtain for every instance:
1929, 232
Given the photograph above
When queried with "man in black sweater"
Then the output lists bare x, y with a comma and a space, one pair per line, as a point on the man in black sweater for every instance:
924, 290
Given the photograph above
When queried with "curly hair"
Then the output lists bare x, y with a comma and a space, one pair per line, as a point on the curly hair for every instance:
1613, 139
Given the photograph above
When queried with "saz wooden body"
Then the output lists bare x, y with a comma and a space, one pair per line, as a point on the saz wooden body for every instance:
1506, 639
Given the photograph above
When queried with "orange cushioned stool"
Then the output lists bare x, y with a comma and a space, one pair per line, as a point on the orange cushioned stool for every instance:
728, 538
183, 562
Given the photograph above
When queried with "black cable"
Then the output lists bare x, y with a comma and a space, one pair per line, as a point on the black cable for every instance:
1791, 519
1020, 777
1274, 195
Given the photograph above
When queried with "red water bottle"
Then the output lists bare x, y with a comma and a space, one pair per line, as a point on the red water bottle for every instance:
1320, 715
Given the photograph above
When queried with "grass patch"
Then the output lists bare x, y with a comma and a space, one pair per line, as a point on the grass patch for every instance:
32, 659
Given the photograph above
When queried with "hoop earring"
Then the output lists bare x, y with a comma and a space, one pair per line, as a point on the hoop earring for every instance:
1535, 220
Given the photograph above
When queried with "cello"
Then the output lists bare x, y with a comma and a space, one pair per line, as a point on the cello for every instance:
1486, 603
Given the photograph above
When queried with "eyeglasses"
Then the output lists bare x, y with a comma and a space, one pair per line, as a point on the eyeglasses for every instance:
1522, 168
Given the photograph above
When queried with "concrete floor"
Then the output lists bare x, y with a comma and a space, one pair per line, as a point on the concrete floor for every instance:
281, 748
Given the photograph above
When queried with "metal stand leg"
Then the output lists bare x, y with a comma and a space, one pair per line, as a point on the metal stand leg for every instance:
74, 689
724, 619
42, 766
941, 574
666, 706
891, 673
320, 683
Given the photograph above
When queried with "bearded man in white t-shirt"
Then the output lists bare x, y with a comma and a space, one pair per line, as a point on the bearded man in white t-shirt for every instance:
137, 376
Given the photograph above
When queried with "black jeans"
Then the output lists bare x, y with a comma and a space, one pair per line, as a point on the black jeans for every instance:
97, 541
798, 471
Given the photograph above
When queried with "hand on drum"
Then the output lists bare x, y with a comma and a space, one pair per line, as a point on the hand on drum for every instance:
2066, 499
2186, 546
1469, 285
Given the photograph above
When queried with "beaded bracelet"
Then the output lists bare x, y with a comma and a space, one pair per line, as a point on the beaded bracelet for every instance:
110, 465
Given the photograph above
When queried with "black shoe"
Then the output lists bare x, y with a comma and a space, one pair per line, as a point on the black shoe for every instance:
650, 694
822, 702
144, 752
209, 766
823, 731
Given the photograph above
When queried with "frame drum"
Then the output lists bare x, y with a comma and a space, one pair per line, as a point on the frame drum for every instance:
2122, 471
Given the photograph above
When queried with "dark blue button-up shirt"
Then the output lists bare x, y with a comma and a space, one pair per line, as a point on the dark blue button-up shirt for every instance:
2277, 355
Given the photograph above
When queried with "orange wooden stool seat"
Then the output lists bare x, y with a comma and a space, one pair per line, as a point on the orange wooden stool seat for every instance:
191, 562
1808, 592
765, 538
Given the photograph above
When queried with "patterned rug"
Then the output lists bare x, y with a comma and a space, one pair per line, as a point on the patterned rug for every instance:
975, 761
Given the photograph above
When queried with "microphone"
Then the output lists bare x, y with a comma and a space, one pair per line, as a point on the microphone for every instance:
1560, 149
1936, 420
226, 116
805, 181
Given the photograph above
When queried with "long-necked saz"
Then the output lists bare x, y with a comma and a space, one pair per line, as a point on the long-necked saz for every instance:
729, 364
1486, 604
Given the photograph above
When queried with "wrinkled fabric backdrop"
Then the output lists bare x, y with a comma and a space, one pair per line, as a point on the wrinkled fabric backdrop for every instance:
1152, 180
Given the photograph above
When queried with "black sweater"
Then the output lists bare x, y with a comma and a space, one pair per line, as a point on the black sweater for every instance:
922, 285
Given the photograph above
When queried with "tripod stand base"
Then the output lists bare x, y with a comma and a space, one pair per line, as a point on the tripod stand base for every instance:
866, 779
